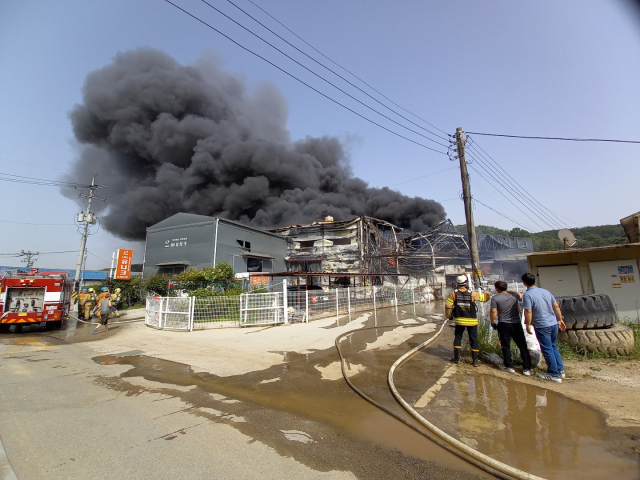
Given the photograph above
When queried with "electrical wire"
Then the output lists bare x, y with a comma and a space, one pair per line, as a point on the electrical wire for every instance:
37, 181
301, 81
483, 152
502, 214
556, 138
424, 176
38, 224
332, 71
346, 70
514, 193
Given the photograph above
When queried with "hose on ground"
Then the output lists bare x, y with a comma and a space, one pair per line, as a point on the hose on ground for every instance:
506, 471
428, 434
112, 323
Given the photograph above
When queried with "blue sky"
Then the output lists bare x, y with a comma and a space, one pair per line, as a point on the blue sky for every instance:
566, 69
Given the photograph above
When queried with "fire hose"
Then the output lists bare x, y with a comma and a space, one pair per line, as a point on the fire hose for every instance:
433, 433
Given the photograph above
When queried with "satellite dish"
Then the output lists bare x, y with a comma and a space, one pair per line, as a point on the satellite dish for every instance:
567, 238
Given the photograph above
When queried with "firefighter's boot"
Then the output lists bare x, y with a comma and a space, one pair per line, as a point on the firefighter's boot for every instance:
475, 360
456, 355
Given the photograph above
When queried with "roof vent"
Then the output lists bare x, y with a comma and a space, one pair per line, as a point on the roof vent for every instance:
328, 218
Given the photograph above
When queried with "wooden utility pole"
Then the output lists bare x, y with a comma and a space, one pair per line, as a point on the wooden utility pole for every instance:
468, 210
87, 219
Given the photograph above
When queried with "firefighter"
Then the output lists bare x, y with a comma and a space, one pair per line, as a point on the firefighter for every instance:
115, 298
89, 304
104, 291
82, 301
461, 307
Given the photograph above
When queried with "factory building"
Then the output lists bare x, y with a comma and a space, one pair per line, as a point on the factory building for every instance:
187, 240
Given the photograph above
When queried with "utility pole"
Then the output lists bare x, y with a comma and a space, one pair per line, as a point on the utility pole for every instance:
29, 260
87, 218
468, 210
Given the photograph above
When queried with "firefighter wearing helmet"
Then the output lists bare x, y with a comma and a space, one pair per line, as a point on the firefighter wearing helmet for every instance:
104, 292
82, 301
89, 304
115, 298
461, 307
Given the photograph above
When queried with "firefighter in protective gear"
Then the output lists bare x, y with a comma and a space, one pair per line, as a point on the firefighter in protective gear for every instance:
115, 298
104, 292
461, 307
82, 301
89, 304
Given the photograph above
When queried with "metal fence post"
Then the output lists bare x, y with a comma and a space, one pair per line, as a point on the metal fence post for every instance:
337, 304
349, 300
307, 305
395, 295
192, 305
413, 300
285, 301
374, 297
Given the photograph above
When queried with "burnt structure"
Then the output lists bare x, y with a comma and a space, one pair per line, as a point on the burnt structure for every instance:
376, 248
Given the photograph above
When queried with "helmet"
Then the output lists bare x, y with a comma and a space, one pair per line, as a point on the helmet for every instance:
118, 290
462, 280
84, 289
104, 289
91, 290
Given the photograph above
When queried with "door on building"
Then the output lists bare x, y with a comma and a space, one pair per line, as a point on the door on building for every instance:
619, 279
561, 280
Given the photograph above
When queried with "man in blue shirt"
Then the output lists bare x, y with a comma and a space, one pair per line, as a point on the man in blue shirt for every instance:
542, 311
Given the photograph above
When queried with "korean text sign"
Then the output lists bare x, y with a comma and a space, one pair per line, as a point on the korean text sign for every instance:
123, 267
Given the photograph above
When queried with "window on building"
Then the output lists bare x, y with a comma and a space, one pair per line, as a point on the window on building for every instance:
244, 244
341, 241
254, 264
307, 244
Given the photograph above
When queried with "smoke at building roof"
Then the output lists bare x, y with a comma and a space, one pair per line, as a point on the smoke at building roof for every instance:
167, 138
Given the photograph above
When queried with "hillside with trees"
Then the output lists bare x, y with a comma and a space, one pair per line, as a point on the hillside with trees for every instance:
548, 240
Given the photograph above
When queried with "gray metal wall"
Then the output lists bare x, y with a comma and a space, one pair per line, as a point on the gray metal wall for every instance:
181, 243
228, 250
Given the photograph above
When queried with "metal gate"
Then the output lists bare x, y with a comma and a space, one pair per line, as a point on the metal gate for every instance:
169, 312
262, 309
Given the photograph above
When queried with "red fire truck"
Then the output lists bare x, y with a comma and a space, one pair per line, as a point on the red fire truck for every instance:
33, 297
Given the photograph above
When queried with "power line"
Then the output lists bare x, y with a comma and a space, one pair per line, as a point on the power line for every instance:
320, 76
37, 181
345, 69
556, 138
501, 214
424, 176
324, 66
515, 194
540, 207
301, 81
38, 224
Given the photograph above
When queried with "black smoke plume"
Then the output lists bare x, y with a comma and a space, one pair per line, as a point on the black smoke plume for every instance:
167, 138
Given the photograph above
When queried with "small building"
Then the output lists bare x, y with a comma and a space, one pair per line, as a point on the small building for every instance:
187, 240
612, 270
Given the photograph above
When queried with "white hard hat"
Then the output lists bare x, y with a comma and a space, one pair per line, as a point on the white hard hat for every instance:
462, 279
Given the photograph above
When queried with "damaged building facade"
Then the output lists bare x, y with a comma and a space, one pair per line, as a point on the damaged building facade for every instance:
380, 250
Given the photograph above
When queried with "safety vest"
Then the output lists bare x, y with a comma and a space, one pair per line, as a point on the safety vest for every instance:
464, 309
83, 298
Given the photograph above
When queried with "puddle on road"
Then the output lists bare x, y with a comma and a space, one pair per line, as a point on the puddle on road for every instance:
531, 428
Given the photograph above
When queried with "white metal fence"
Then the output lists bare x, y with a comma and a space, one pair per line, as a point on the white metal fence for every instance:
291, 305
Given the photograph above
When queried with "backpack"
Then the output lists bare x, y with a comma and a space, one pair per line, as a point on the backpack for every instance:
104, 307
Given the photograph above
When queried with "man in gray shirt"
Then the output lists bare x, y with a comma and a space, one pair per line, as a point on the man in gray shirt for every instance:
505, 309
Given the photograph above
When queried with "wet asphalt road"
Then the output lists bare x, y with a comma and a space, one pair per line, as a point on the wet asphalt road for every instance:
66, 413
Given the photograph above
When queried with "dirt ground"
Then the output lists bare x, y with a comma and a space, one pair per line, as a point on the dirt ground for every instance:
612, 387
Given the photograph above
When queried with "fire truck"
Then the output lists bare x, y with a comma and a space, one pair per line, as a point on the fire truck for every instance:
28, 298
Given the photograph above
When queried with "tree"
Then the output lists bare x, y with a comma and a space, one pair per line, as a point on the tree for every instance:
519, 232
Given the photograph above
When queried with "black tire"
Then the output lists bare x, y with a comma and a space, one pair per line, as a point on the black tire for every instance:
4, 327
617, 340
587, 311
54, 325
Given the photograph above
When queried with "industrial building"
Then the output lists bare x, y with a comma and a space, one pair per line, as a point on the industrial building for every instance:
186, 240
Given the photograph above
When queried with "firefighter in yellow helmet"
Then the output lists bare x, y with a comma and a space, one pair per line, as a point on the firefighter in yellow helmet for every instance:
115, 298
461, 307
89, 304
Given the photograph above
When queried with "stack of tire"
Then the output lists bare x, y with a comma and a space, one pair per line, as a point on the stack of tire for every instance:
592, 326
